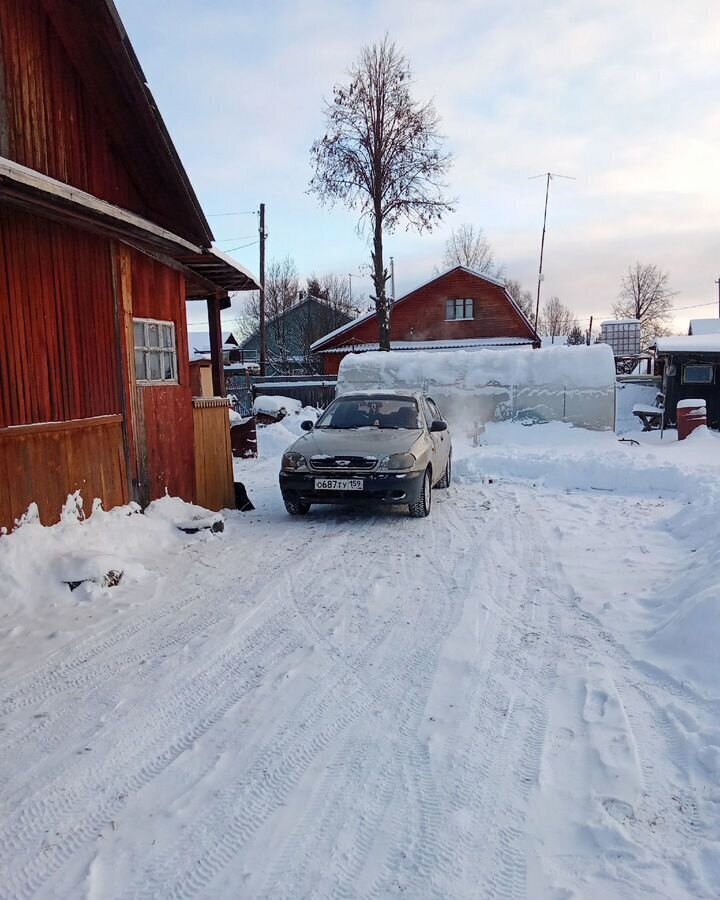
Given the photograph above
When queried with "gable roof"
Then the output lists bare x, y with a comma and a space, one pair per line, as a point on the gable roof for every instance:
371, 314
98, 46
308, 298
704, 326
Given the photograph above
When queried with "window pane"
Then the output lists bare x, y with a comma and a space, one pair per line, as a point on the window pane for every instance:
140, 365
458, 309
167, 367
153, 335
449, 309
468, 309
166, 335
139, 330
697, 374
153, 366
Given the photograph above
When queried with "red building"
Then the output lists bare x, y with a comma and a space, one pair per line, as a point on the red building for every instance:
459, 309
102, 241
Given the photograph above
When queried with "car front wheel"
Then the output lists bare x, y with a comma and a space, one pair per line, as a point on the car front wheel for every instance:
297, 507
421, 508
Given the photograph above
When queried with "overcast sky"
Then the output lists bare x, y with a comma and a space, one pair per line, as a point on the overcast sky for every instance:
623, 96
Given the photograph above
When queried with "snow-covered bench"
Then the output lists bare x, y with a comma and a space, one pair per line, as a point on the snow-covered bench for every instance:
651, 416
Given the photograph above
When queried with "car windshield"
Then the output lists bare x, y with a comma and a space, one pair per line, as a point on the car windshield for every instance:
370, 412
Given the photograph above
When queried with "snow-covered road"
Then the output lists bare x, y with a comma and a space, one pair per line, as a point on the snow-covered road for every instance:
359, 704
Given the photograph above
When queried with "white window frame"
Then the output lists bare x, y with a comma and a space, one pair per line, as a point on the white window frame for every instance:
455, 317
147, 350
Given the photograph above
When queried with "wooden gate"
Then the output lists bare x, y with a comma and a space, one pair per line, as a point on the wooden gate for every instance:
213, 455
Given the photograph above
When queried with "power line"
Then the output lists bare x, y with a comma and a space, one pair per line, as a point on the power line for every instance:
239, 237
247, 212
242, 246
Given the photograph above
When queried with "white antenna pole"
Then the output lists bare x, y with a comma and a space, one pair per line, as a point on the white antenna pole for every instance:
549, 176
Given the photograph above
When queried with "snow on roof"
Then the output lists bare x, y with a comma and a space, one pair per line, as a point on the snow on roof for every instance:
199, 343
459, 344
689, 343
704, 326
363, 317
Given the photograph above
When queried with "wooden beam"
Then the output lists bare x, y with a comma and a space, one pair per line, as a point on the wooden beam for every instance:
216, 349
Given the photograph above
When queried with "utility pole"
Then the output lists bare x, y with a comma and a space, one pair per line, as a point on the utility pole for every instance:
350, 278
718, 284
589, 334
263, 323
549, 176
392, 277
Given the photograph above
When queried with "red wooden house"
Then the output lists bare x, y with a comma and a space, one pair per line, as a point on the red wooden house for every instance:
102, 241
459, 309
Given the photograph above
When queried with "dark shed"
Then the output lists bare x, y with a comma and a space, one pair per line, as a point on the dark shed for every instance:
690, 369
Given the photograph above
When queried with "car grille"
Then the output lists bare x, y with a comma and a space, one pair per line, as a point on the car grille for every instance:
343, 463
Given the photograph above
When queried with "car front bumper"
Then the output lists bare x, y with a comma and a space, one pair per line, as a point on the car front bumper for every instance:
391, 488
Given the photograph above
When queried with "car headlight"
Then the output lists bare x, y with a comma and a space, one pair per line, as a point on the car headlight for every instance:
293, 462
397, 461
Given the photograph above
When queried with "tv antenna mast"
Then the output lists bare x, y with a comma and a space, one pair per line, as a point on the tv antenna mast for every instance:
549, 176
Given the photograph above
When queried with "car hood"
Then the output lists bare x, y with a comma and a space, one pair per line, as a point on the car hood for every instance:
356, 441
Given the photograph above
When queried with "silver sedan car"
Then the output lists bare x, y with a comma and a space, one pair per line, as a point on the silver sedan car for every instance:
388, 447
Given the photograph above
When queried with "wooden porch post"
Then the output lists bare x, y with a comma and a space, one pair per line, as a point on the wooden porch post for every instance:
216, 346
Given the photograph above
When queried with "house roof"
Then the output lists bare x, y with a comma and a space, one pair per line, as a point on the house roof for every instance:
306, 299
98, 46
214, 269
460, 344
704, 326
364, 317
692, 343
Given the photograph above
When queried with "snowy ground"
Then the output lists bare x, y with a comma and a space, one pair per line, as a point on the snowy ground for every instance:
517, 697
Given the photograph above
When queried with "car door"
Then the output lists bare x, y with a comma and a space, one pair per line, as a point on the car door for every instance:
444, 441
434, 437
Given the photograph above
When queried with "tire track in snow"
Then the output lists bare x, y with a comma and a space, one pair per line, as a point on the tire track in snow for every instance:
315, 727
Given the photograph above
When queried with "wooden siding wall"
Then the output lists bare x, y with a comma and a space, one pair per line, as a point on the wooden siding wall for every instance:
165, 413
213, 454
45, 463
58, 356
50, 123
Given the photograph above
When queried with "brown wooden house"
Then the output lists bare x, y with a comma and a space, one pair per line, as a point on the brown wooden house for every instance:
102, 241
459, 309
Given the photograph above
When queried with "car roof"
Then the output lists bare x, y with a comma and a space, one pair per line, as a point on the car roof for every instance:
381, 395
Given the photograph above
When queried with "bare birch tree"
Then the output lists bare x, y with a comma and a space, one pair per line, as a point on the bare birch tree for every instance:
469, 247
555, 318
522, 297
381, 154
646, 295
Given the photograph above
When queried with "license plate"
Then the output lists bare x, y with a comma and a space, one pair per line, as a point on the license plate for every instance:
338, 484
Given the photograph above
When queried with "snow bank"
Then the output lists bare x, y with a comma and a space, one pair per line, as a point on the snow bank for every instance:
681, 626
37, 561
271, 405
273, 440
571, 384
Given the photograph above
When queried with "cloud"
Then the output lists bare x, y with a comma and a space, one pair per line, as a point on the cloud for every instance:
620, 95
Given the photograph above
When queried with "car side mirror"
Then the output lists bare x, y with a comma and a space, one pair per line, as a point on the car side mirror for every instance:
307, 425
438, 425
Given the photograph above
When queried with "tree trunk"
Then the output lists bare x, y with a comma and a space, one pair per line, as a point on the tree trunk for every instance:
379, 279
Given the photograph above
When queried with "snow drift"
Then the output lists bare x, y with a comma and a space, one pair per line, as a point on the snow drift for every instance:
567, 384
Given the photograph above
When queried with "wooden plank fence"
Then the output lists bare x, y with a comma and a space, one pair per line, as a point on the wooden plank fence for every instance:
215, 488
44, 463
